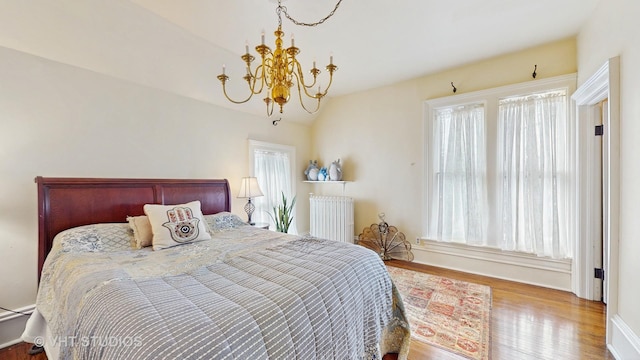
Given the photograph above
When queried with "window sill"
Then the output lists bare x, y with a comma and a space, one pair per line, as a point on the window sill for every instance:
508, 265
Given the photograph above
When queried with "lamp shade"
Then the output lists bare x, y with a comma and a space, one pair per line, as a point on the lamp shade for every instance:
249, 188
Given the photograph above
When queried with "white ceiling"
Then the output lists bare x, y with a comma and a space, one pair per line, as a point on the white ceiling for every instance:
180, 45
375, 43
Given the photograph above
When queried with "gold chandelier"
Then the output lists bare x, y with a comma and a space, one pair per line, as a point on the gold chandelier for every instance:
279, 69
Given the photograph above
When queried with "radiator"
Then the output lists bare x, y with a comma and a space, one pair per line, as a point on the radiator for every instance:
331, 217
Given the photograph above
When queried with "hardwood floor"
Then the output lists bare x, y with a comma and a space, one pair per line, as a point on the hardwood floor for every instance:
20, 352
527, 322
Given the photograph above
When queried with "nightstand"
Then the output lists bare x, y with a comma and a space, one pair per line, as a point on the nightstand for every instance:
261, 225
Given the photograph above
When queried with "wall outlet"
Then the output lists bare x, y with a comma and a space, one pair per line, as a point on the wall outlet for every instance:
417, 241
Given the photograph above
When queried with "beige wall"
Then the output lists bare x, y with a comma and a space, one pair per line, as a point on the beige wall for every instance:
379, 133
60, 120
613, 30
82, 97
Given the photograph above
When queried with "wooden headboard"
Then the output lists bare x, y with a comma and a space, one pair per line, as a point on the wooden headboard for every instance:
64, 203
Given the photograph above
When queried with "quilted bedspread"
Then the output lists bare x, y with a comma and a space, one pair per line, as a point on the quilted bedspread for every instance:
246, 294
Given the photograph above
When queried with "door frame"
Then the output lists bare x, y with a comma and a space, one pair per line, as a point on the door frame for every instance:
603, 84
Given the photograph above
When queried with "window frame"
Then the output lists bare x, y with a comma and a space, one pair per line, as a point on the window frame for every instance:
291, 153
490, 99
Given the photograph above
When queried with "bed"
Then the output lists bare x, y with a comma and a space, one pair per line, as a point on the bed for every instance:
238, 293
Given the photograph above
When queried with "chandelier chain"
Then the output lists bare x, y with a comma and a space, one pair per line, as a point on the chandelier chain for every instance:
299, 23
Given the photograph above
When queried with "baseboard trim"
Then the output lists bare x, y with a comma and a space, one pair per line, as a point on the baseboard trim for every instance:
625, 344
7, 315
507, 265
9, 343
12, 325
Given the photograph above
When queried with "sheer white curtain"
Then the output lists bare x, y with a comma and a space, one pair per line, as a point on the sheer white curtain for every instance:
459, 196
272, 168
533, 131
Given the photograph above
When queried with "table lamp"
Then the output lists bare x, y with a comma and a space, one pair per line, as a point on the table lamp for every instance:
249, 188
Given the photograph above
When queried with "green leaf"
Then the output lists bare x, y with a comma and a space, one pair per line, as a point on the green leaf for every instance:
283, 214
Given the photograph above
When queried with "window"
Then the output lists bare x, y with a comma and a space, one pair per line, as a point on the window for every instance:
459, 168
273, 166
532, 139
499, 169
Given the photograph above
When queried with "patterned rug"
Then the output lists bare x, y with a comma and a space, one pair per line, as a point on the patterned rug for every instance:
447, 313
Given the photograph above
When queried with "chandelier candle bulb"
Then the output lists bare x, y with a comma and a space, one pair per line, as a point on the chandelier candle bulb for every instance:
292, 41
262, 37
223, 69
246, 47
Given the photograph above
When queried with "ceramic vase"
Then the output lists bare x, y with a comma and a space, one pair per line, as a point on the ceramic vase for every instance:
313, 174
312, 170
335, 171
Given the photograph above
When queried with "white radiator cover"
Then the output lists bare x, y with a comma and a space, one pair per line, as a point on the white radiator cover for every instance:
331, 217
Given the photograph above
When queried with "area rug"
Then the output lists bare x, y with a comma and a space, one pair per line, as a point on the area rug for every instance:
451, 314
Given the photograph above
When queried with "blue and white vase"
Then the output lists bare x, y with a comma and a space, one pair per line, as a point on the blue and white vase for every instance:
322, 174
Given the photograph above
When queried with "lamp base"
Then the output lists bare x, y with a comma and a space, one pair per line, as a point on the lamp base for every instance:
249, 208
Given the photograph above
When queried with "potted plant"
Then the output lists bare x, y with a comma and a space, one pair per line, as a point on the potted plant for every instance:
283, 214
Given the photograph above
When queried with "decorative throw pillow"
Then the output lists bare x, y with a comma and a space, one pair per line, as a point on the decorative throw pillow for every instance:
141, 230
95, 238
176, 224
223, 221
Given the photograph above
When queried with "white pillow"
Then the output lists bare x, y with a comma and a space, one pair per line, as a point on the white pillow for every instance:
176, 224
141, 230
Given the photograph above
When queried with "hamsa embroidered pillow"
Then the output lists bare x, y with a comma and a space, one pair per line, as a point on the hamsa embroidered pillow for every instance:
176, 224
